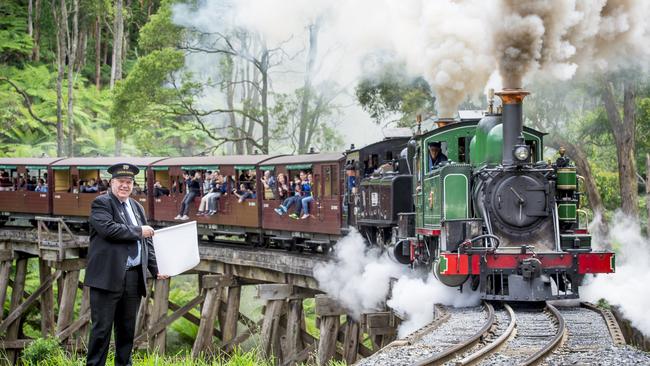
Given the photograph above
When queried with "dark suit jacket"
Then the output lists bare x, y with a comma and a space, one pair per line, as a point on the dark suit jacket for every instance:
110, 235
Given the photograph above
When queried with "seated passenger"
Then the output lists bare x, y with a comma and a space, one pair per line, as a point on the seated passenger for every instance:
5, 181
435, 155
269, 183
193, 189
296, 199
89, 186
41, 186
307, 196
244, 193
384, 168
223, 187
212, 191
159, 190
31, 184
282, 187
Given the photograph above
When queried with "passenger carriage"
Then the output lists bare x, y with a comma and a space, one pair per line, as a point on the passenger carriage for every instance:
17, 200
232, 217
69, 175
323, 227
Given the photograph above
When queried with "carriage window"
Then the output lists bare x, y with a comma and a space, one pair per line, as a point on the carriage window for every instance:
328, 181
62, 180
7, 179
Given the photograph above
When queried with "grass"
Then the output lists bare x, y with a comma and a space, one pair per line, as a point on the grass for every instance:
47, 352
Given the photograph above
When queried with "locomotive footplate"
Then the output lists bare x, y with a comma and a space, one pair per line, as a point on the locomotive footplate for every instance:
526, 276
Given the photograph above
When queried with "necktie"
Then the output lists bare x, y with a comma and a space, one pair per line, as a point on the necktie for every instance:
132, 248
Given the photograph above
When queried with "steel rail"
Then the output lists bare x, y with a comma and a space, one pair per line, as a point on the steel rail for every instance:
612, 325
554, 343
478, 355
452, 352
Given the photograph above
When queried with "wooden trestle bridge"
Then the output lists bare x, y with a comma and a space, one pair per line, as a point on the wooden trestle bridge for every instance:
283, 280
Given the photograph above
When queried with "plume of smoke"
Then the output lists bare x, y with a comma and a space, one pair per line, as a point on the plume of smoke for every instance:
359, 278
456, 55
416, 297
628, 287
560, 37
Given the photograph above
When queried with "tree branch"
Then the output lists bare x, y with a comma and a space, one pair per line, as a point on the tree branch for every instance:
28, 103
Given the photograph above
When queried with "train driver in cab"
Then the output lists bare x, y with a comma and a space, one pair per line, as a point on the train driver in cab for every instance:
435, 155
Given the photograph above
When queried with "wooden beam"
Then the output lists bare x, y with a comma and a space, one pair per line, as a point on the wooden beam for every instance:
351, 341
48, 322
273, 291
5, 270
229, 325
329, 328
68, 296
203, 341
66, 265
160, 307
294, 317
220, 280
327, 306
18, 311
75, 326
165, 321
16, 296
270, 328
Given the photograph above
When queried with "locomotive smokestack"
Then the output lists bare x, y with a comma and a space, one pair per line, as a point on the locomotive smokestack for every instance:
513, 138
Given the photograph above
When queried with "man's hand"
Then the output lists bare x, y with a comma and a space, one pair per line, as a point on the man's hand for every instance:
147, 231
162, 276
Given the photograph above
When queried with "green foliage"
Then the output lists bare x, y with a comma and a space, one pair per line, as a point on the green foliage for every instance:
40, 351
15, 44
160, 32
393, 92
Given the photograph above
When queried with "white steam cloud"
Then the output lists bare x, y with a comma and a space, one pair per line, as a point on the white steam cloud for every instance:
628, 287
455, 44
359, 278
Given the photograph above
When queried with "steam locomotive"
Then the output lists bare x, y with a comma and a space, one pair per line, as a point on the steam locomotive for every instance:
494, 216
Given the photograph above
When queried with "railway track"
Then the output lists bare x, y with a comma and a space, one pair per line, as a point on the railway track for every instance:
487, 336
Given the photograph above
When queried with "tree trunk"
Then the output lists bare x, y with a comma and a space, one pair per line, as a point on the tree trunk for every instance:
238, 145
116, 69
118, 34
264, 72
98, 51
60, 61
71, 51
624, 135
36, 32
30, 22
307, 90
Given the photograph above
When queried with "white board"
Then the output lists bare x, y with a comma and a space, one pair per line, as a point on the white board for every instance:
177, 248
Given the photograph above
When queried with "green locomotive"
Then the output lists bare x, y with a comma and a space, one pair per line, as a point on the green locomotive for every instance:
491, 213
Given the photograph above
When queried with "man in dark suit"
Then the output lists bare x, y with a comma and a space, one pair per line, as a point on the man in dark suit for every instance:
119, 254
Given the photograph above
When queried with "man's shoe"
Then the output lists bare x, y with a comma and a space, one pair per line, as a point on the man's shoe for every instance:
294, 216
185, 217
279, 211
178, 217
305, 216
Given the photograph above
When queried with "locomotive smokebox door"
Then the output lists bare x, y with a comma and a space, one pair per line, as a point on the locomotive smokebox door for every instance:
455, 232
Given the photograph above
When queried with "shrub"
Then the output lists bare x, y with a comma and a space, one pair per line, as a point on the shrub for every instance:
40, 350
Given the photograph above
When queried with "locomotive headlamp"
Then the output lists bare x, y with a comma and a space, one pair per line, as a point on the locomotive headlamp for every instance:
521, 152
